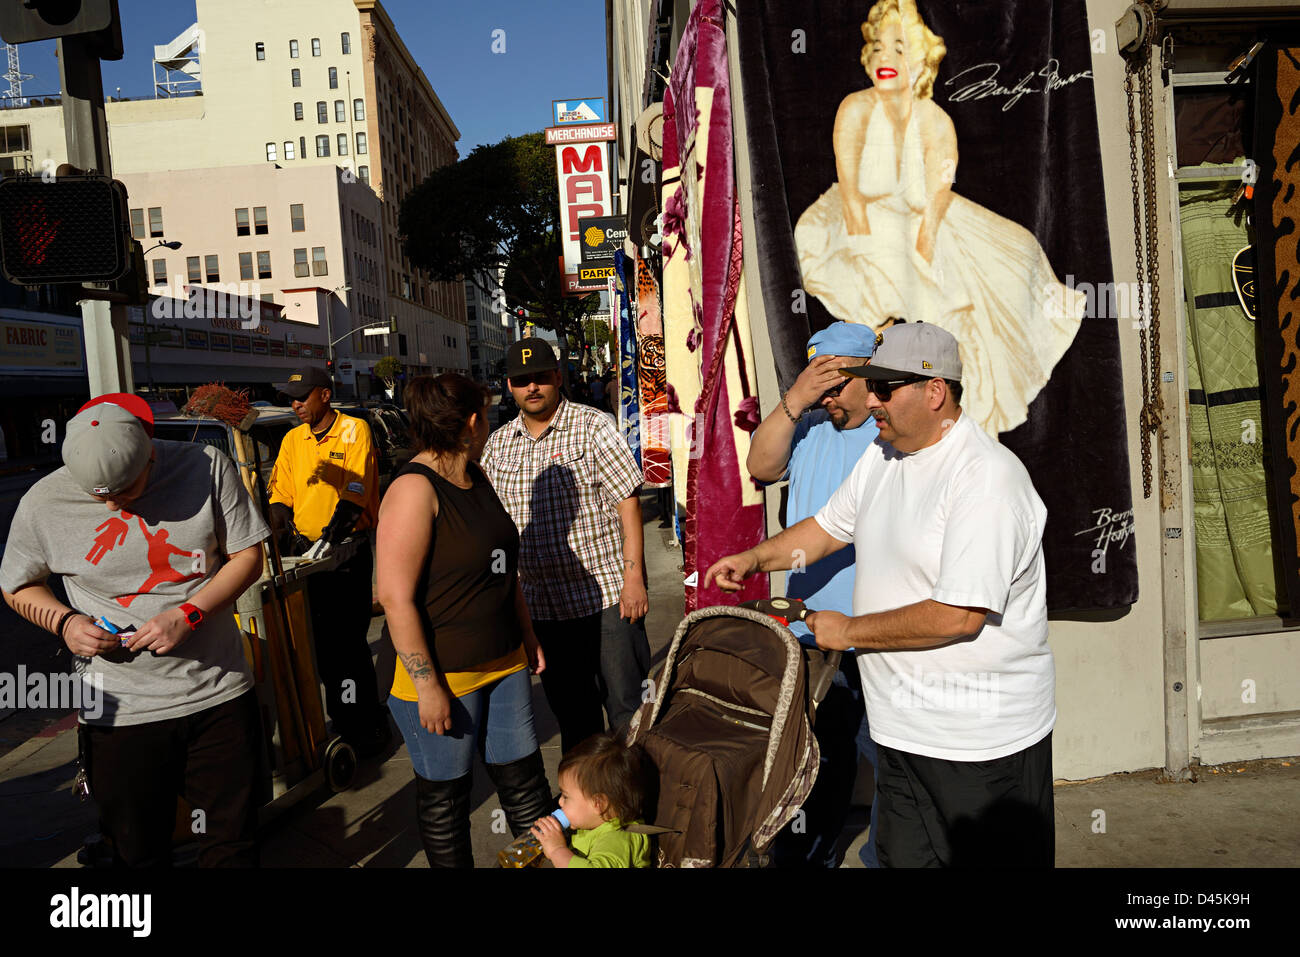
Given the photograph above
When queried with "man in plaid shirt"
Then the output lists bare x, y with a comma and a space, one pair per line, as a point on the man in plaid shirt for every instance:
570, 483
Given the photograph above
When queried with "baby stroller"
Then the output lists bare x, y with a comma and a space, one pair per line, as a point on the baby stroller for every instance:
729, 731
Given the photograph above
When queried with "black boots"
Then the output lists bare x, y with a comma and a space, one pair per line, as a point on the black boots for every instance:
442, 808
442, 812
521, 786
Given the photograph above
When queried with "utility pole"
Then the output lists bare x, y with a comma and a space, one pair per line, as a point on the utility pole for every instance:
87, 31
85, 129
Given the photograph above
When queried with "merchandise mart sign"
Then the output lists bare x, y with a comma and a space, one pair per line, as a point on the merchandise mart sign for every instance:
583, 173
40, 347
597, 133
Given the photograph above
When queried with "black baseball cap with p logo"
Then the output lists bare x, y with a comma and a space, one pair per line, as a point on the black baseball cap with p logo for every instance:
528, 356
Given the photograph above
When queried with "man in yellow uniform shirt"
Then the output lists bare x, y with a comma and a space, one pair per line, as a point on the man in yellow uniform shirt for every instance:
325, 487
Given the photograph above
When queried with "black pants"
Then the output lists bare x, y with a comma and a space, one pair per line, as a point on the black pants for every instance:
340, 613
594, 664
937, 813
212, 758
811, 840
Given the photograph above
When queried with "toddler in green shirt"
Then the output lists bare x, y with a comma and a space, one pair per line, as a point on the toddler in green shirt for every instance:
602, 787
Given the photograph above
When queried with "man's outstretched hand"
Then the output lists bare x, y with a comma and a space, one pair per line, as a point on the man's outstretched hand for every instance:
731, 572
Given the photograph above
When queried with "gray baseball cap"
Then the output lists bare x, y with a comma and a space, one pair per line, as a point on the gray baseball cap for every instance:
912, 349
106, 449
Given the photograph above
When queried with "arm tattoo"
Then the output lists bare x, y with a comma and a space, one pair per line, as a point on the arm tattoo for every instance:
417, 665
629, 563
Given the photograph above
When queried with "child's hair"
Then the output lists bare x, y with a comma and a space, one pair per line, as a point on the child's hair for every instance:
606, 767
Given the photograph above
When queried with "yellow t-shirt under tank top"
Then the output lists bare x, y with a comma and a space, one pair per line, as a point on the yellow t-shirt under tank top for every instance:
462, 683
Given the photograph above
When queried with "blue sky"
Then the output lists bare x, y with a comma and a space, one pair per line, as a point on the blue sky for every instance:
553, 50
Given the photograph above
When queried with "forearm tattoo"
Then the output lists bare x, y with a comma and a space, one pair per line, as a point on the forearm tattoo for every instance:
417, 665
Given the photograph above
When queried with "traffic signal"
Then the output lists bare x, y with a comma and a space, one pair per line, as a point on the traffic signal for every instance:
22, 21
47, 19
69, 229
329, 366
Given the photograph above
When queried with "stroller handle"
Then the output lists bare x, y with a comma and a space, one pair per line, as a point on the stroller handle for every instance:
793, 609
787, 609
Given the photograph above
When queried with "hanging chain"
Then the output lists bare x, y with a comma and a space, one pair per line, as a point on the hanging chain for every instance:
1146, 247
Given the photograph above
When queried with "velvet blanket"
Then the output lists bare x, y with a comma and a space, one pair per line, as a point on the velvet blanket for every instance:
706, 322
939, 161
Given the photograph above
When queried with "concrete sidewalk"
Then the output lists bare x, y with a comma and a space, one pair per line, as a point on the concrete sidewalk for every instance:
1241, 815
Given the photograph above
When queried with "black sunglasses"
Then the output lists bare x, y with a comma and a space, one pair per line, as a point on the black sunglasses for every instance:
884, 388
832, 392
541, 378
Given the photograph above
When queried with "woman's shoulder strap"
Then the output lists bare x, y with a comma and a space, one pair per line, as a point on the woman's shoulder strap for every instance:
416, 468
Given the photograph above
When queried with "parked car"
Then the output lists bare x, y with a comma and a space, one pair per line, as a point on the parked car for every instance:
392, 446
392, 443
272, 425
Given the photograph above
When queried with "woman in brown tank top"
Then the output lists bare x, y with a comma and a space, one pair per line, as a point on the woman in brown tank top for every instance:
446, 559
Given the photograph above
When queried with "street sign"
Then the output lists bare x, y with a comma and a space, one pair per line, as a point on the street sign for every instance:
583, 176
71, 229
595, 133
600, 237
569, 112
582, 282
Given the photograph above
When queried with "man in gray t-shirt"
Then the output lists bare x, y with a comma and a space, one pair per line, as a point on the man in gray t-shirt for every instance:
154, 540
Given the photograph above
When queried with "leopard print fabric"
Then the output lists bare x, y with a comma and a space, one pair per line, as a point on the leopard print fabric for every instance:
652, 377
1286, 252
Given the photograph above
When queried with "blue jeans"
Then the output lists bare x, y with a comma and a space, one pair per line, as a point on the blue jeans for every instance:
496, 720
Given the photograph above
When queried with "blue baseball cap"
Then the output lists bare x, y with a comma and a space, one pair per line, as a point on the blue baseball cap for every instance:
843, 339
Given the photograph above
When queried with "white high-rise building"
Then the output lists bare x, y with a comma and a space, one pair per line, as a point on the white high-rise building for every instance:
492, 327
289, 85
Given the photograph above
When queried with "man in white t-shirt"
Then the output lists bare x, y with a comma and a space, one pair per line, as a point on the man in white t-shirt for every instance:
951, 614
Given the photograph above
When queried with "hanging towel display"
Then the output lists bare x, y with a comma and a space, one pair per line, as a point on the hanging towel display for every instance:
940, 162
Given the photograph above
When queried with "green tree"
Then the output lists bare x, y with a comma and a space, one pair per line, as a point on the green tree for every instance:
597, 334
497, 208
388, 369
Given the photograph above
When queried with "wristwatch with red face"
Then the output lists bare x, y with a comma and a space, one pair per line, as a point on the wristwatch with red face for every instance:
193, 615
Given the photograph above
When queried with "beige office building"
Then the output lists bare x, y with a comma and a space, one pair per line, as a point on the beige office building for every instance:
289, 85
306, 239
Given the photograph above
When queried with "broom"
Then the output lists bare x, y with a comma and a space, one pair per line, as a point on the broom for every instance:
216, 400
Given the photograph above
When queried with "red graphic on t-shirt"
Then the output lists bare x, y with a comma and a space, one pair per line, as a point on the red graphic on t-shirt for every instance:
159, 557
111, 534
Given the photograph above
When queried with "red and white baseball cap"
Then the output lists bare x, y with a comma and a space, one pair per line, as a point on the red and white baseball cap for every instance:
108, 443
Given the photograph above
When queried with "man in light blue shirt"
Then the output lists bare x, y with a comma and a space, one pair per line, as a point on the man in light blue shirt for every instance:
815, 436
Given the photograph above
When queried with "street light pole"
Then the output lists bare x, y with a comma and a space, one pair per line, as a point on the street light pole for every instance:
85, 131
329, 332
148, 331
329, 341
